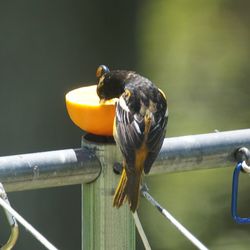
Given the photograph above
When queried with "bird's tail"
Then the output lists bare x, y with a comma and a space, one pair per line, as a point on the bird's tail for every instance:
128, 189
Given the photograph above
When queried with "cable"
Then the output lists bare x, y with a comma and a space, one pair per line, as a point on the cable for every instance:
141, 231
28, 226
177, 224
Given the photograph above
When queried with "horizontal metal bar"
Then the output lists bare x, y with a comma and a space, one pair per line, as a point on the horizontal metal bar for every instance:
48, 169
200, 151
75, 166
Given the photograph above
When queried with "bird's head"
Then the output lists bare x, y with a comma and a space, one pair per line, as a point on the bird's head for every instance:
110, 84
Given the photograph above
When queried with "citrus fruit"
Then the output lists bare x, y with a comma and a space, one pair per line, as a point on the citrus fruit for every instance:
87, 113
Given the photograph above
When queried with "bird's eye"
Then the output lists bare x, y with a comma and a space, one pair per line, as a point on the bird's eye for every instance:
101, 70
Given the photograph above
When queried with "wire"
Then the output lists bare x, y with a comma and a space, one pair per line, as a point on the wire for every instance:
28, 226
141, 231
177, 224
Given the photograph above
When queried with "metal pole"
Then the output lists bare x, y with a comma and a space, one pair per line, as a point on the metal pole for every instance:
48, 169
104, 227
203, 151
75, 166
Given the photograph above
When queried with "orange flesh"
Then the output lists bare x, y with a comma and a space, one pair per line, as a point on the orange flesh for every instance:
87, 113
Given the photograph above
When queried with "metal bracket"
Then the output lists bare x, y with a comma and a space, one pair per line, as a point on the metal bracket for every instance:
12, 222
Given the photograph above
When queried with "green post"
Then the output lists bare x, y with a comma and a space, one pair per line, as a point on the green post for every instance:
105, 227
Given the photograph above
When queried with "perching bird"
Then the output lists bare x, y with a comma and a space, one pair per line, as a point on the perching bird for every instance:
139, 126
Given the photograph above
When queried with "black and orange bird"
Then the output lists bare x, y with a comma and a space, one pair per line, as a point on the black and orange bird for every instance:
139, 127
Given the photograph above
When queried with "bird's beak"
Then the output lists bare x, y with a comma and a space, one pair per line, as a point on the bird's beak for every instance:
102, 100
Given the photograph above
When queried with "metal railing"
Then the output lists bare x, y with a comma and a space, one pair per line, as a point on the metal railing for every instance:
103, 226
77, 166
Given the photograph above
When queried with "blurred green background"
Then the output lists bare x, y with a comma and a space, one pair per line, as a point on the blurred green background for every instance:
198, 52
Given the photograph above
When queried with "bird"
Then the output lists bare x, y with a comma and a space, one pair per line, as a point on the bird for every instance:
141, 117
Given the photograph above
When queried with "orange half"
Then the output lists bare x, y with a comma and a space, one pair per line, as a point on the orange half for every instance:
87, 113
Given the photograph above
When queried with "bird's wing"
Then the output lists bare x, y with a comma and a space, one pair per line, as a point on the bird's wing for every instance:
129, 132
130, 135
155, 139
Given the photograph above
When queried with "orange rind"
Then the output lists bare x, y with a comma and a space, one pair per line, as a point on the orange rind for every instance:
86, 111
